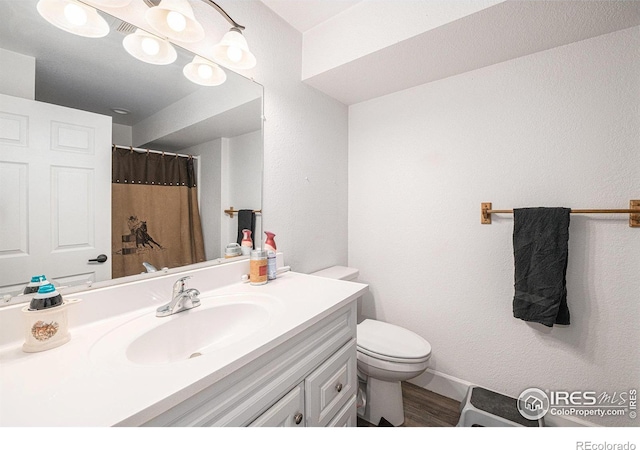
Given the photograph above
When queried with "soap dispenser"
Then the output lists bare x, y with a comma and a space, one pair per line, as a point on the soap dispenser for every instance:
270, 247
35, 283
246, 244
46, 325
269, 243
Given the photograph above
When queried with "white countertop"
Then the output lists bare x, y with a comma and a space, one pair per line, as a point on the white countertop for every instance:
79, 384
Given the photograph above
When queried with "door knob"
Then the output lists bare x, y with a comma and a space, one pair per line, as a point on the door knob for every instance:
339, 387
100, 259
298, 418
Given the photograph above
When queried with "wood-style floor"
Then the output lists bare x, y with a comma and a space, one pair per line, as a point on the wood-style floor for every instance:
423, 408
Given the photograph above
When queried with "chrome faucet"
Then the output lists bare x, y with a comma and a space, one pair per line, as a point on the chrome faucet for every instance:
181, 299
150, 267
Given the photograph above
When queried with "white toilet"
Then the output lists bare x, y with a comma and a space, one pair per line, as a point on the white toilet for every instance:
387, 355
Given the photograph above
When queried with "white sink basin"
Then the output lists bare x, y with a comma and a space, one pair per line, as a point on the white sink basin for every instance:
219, 322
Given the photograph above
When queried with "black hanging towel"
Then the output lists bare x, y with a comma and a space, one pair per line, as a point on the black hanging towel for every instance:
541, 250
247, 221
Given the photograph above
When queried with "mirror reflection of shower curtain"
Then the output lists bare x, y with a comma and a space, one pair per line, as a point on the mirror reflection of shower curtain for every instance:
155, 215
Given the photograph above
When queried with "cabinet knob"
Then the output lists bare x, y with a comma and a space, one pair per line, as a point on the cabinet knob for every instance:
297, 418
339, 387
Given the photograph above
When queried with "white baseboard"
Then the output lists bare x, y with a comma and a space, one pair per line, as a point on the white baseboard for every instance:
455, 388
442, 384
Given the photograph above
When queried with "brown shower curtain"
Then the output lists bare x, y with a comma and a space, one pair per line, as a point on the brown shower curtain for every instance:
155, 215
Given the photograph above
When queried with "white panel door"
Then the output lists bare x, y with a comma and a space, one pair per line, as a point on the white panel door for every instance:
55, 193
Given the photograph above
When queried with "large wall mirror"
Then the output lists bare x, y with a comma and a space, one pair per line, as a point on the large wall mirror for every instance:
220, 126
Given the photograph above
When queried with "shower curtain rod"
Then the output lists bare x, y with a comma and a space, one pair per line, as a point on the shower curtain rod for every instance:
633, 211
146, 150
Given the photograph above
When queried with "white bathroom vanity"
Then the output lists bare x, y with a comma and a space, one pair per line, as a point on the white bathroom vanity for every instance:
282, 354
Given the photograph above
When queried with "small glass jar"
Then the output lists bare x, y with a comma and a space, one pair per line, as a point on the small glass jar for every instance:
258, 267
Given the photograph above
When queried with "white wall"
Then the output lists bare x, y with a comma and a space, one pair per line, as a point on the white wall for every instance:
306, 138
244, 169
556, 128
122, 134
20, 81
209, 157
240, 169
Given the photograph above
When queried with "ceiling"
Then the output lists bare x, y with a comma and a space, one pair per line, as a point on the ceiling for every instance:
306, 14
495, 32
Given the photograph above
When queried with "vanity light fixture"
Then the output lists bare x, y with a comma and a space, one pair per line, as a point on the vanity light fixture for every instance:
175, 20
111, 3
149, 48
74, 17
233, 51
171, 19
204, 72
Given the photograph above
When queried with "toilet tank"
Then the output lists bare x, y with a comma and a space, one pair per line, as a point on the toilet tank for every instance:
338, 273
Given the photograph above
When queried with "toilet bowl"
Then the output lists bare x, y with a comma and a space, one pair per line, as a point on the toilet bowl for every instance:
387, 355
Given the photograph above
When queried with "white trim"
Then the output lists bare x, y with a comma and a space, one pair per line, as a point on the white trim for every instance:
443, 384
455, 388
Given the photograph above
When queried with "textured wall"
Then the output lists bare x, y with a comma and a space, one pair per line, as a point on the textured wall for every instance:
20, 81
305, 138
121, 134
241, 166
556, 128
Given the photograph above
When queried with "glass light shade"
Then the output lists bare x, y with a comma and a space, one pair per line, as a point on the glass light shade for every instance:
111, 3
73, 17
175, 20
233, 51
204, 72
149, 48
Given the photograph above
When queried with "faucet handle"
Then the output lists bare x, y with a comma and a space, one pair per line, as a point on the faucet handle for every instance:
178, 286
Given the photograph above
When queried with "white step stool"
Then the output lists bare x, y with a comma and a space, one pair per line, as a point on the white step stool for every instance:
484, 408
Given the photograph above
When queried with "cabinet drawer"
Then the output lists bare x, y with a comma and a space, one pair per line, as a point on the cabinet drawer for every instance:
348, 415
330, 386
287, 412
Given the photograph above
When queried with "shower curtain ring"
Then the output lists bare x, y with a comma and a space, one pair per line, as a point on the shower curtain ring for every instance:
130, 149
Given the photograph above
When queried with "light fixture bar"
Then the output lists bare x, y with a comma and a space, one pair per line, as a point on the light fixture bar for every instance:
224, 14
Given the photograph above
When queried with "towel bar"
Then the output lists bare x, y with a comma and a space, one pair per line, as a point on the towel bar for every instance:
633, 211
232, 211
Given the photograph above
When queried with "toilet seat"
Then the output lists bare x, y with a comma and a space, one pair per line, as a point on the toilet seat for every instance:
371, 354
390, 370
388, 342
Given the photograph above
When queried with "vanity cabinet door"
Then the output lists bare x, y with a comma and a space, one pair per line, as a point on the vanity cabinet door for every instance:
347, 417
328, 388
287, 412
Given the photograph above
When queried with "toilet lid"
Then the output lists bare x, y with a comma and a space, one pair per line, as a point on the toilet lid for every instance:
391, 341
